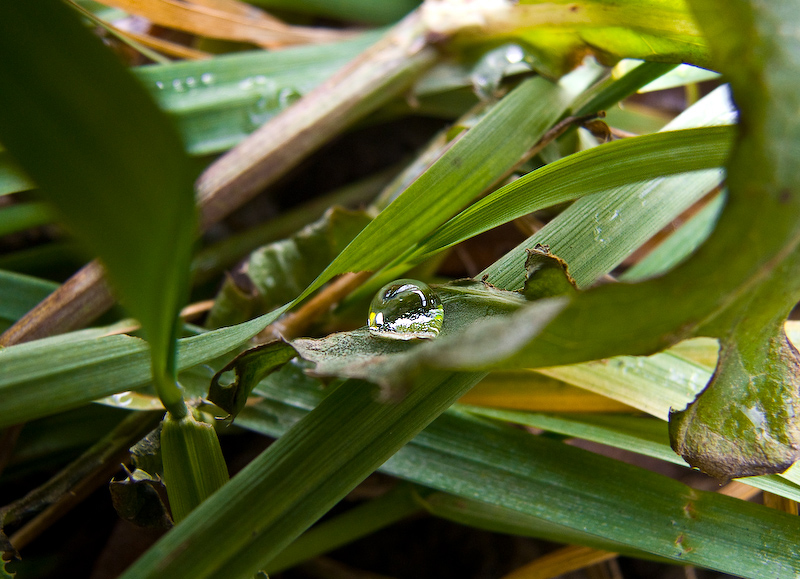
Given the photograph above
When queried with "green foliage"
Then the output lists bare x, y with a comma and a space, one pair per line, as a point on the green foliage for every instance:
727, 277
105, 157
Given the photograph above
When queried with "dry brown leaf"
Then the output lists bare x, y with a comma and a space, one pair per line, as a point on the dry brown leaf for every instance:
226, 19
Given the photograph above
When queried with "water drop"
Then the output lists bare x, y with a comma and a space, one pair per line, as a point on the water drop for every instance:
159, 85
496, 64
191, 82
406, 309
260, 112
177, 85
286, 96
246, 84
206, 78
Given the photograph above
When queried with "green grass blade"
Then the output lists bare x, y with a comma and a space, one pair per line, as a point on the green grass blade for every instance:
12, 179
107, 158
358, 522
645, 436
572, 487
22, 216
47, 376
679, 245
592, 171
19, 293
216, 103
559, 488
475, 161
594, 222
356, 10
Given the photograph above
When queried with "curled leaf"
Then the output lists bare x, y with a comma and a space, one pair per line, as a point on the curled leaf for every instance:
744, 422
250, 368
547, 274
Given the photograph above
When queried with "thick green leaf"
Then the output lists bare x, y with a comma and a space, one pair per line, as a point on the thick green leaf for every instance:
477, 331
743, 423
106, 157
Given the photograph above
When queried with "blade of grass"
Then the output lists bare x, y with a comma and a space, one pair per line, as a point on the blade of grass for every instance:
592, 171
479, 158
50, 375
509, 468
360, 521
645, 436
12, 179
58, 131
19, 293
22, 216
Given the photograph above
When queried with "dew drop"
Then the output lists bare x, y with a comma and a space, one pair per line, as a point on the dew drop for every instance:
177, 85
260, 112
496, 64
206, 78
159, 85
406, 309
286, 96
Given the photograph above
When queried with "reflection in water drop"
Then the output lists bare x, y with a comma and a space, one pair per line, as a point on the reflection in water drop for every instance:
206, 78
406, 309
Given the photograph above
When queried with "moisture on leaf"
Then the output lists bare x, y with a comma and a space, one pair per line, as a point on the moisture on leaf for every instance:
406, 309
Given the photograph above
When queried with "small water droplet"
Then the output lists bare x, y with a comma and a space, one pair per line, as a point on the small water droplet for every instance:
496, 64
246, 84
598, 235
260, 112
207, 78
159, 85
286, 96
177, 85
406, 309
191, 82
